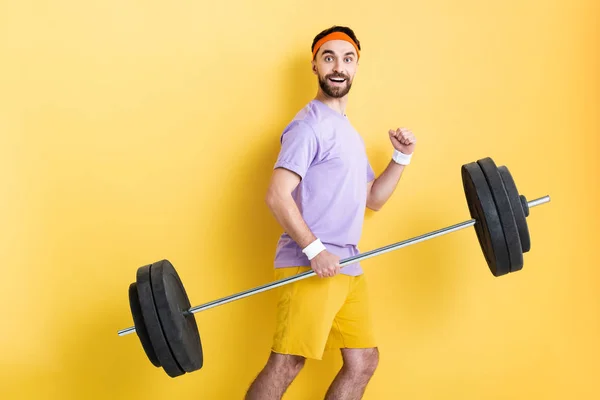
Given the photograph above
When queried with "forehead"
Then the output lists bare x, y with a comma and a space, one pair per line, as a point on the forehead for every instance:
338, 46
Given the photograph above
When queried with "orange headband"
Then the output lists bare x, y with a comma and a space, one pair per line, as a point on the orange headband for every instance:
335, 36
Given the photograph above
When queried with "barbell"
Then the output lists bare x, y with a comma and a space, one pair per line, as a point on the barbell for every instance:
164, 319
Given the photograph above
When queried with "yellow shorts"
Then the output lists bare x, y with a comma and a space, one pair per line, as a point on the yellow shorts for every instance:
315, 314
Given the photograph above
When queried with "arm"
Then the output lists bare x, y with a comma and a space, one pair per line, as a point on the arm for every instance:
282, 205
284, 209
381, 189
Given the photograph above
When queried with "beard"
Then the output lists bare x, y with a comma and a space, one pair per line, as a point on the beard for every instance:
335, 91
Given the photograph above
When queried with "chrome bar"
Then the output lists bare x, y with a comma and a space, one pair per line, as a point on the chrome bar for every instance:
343, 263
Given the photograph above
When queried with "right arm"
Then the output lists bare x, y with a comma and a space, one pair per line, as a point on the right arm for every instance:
283, 207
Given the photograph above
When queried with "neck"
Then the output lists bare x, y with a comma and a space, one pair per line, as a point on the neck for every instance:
336, 104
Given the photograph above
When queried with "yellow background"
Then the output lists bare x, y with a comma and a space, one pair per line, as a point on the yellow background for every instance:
132, 131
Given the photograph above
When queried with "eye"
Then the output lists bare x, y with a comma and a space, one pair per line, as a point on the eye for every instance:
348, 59
328, 58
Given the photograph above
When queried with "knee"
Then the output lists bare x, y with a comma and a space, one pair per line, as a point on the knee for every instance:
365, 364
286, 365
370, 362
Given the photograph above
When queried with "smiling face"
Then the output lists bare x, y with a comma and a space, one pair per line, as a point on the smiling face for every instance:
335, 65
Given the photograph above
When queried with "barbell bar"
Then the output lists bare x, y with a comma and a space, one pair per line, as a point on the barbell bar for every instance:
343, 263
164, 318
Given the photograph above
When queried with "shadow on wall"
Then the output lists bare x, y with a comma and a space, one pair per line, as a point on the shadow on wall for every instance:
247, 218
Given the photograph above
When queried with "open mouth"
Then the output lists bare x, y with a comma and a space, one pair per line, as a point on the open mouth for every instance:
337, 80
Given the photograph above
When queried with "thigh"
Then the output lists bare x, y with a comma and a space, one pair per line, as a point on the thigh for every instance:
305, 312
352, 325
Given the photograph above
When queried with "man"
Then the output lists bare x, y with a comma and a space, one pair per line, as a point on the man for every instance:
321, 183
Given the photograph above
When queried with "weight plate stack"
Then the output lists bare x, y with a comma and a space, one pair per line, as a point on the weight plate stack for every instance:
178, 325
505, 211
153, 324
487, 227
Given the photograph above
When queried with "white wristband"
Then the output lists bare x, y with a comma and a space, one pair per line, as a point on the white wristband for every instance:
401, 158
313, 249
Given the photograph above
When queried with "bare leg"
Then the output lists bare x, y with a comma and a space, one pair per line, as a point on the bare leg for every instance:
351, 382
272, 382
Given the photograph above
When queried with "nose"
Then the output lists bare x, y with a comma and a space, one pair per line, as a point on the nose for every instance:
338, 67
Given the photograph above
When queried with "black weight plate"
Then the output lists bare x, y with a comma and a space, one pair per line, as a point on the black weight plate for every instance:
505, 211
483, 210
517, 207
140, 326
180, 328
152, 321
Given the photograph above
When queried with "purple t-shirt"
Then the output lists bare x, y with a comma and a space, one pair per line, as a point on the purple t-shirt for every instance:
321, 146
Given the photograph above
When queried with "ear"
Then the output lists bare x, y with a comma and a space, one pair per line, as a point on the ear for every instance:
314, 67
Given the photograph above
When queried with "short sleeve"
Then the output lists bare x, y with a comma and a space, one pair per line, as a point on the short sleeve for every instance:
370, 172
299, 148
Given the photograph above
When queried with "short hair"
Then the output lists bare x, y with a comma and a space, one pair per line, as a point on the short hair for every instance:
335, 28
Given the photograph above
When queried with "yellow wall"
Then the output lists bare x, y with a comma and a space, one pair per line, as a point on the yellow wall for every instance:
133, 131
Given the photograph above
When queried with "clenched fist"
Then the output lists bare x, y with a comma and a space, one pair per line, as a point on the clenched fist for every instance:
403, 140
325, 264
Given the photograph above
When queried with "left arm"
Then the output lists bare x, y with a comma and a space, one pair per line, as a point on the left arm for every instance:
380, 190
